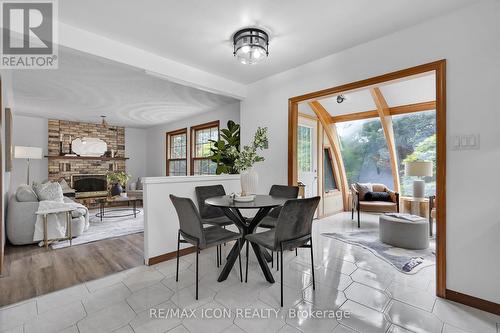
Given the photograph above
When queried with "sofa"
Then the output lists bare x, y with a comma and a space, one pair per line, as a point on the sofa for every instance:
21, 217
360, 204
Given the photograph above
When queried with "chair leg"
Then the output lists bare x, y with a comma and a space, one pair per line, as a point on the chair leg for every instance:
281, 255
178, 248
217, 250
312, 264
278, 262
296, 254
240, 247
246, 268
358, 218
272, 259
352, 213
197, 252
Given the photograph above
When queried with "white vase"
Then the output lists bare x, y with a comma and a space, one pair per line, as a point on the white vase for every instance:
249, 181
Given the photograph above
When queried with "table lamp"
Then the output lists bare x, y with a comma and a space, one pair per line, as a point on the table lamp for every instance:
28, 153
418, 169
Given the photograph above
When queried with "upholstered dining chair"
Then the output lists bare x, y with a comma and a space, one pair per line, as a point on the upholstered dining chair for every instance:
192, 231
293, 230
269, 221
211, 215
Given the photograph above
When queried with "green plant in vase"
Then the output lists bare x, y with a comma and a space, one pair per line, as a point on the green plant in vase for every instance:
225, 151
118, 180
247, 157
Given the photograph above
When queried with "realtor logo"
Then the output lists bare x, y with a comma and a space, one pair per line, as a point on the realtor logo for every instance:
29, 34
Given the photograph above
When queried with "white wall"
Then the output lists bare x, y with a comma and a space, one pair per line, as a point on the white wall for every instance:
31, 132
156, 141
468, 39
160, 219
135, 150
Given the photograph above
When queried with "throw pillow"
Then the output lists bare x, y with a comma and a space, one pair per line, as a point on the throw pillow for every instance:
49, 191
64, 184
377, 196
362, 189
25, 193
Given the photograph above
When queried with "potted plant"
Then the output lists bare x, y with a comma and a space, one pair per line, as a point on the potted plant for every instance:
118, 181
247, 157
225, 151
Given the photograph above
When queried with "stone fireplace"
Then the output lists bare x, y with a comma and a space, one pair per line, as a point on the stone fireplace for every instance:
66, 166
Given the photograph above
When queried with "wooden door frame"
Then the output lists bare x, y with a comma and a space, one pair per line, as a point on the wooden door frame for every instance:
439, 68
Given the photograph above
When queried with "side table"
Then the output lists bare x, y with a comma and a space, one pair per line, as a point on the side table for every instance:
45, 214
415, 206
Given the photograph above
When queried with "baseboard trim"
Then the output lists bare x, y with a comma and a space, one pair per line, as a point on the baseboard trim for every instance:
472, 301
170, 256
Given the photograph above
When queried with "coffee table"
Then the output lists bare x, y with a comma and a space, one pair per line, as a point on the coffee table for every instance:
103, 213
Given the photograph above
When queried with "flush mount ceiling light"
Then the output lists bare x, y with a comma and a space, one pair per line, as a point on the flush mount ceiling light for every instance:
250, 45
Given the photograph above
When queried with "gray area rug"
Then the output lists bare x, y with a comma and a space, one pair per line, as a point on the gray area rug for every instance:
405, 261
108, 228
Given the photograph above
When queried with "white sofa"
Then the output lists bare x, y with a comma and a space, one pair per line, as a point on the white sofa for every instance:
21, 219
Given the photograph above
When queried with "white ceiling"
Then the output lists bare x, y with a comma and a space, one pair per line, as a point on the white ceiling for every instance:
198, 32
86, 87
396, 93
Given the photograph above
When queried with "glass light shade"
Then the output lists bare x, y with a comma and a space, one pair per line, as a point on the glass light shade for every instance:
250, 45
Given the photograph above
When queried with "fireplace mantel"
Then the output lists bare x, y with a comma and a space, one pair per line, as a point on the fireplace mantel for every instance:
95, 158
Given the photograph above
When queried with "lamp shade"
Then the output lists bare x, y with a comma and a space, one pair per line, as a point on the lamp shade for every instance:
418, 168
34, 153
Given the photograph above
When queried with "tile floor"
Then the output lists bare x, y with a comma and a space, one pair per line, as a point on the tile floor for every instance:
349, 278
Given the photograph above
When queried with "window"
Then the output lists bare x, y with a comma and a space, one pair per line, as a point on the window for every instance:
364, 151
176, 153
200, 152
305, 145
415, 139
328, 176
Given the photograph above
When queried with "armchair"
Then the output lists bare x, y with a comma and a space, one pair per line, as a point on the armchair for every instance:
359, 204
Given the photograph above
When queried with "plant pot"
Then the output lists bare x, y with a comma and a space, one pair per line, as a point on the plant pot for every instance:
116, 189
249, 180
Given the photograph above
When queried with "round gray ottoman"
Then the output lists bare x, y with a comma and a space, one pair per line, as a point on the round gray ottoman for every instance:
413, 235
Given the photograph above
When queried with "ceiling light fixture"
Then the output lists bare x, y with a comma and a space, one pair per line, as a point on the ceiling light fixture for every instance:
250, 45
341, 98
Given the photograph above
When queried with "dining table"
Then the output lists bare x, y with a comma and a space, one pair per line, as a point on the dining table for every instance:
232, 209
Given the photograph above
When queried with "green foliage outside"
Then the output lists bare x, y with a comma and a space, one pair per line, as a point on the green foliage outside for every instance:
415, 140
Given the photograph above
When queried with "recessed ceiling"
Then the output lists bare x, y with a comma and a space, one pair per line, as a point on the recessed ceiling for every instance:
198, 33
86, 87
396, 93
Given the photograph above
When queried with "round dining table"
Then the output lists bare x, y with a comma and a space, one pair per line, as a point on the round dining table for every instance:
232, 209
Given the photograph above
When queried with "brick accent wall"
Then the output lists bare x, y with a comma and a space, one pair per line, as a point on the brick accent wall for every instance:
114, 136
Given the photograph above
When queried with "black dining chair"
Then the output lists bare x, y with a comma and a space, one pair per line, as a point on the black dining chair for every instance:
212, 215
192, 231
293, 230
269, 221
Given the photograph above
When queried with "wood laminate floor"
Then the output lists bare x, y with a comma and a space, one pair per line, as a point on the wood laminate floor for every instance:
30, 271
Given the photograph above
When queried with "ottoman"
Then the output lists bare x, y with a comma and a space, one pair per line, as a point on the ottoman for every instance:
413, 235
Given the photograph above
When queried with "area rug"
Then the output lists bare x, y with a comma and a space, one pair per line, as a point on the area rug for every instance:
107, 228
404, 260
